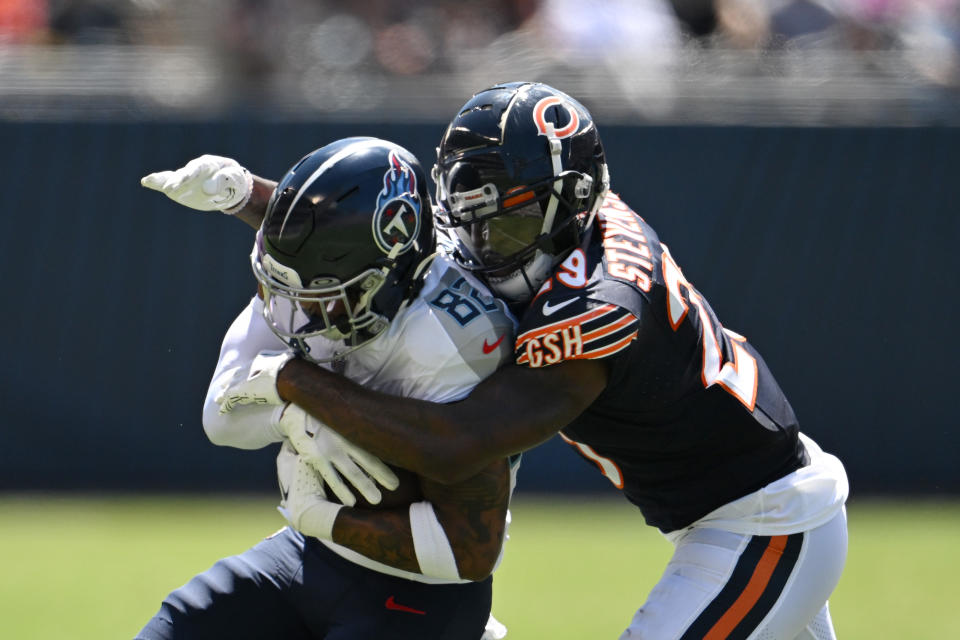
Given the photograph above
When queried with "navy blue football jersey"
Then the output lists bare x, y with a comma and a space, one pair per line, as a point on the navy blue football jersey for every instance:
691, 417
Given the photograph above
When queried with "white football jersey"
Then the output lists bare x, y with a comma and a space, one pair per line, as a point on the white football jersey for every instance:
437, 348
452, 336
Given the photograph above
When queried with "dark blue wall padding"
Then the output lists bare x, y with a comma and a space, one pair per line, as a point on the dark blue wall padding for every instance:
833, 250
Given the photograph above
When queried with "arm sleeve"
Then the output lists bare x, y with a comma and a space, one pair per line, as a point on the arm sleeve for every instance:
246, 427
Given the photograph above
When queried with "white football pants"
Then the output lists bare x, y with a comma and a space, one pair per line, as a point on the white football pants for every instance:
726, 586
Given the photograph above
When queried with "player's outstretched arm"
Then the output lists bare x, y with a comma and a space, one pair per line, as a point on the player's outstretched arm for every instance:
513, 410
252, 213
215, 183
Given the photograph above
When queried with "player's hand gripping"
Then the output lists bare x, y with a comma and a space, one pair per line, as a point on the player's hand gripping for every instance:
207, 183
335, 458
303, 501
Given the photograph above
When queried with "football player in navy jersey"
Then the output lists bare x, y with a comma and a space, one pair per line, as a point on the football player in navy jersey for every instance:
349, 278
619, 353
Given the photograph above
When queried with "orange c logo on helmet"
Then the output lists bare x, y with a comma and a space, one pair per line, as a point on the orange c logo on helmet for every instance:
540, 111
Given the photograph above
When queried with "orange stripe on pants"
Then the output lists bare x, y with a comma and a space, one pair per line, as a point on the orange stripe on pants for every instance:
752, 592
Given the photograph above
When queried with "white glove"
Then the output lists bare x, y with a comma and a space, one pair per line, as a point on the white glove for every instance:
207, 183
303, 501
260, 385
331, 455
495, 630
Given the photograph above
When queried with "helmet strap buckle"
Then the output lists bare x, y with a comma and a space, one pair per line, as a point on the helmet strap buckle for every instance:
583, 187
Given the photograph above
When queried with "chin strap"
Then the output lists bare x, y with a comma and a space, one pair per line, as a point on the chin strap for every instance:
601, 196
374, 323
556, 148
424, 265
582, 187
416, 282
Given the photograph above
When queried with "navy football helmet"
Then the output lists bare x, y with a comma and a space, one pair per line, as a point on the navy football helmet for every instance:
520, 174
346, 239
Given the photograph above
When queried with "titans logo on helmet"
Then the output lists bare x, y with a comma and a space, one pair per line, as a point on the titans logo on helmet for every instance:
397, 218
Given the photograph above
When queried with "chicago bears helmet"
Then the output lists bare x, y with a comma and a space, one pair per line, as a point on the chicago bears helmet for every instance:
520, 174
347, 236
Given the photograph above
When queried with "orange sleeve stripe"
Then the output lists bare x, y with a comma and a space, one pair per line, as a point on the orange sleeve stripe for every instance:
610, 328
752, 592
596, 353
563, 324
605, 351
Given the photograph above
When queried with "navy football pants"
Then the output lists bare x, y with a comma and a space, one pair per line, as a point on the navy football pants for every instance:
293, 587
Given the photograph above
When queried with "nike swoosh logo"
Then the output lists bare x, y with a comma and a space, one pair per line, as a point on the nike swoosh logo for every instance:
488, 348
549, 309
394, 606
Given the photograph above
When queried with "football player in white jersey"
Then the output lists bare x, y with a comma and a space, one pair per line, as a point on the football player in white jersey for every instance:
349, 279
621, 354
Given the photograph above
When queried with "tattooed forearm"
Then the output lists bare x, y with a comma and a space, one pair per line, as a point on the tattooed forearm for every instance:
473, 514
382, 535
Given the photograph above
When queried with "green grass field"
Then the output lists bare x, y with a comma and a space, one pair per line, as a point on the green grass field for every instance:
97, 568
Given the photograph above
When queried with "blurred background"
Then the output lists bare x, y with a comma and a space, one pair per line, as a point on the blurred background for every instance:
800, 157
811, 62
